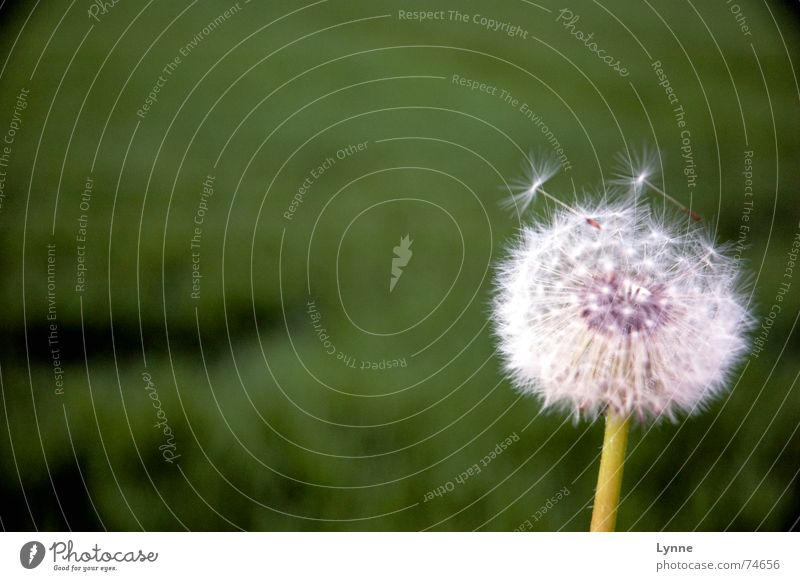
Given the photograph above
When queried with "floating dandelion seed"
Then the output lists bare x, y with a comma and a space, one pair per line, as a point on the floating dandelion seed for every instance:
536, 175
642, 318
635, 172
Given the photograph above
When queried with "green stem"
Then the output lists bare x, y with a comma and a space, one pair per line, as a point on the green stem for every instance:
609, 479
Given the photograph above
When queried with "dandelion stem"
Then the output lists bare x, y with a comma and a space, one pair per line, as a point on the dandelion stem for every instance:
609, 479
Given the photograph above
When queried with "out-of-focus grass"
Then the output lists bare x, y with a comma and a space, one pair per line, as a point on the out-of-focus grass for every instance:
269, 437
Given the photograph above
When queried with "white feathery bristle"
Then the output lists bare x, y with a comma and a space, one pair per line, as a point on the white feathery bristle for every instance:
524, 190
643, 316
634, 171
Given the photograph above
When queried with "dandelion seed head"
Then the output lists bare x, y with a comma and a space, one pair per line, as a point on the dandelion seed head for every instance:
643, 316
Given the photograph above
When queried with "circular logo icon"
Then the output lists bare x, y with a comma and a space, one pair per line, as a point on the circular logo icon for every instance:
31, 554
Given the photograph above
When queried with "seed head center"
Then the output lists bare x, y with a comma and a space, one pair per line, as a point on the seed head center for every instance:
615, 303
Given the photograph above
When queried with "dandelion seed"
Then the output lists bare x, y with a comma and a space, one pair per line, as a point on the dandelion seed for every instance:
525, 189
536, 174
635, 172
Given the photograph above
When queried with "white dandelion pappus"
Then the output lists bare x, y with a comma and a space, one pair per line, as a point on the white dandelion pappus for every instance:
635, 172
642, 316
536, 175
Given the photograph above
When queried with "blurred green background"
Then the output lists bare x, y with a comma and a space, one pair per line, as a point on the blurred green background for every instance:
360, 411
